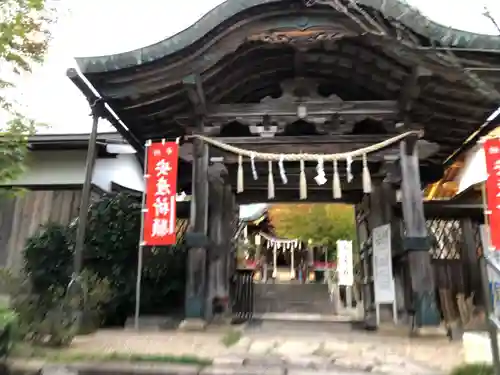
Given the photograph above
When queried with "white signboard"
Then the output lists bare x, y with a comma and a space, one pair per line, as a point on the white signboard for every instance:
345, 263
383, 281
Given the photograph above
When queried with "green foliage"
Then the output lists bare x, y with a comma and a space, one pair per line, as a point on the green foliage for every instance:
112, 241
473, 369
24, 36
113, 234
322, 223
45, 310
41, 318
24, 33
13, 149
48, 258
8, 323
110, 259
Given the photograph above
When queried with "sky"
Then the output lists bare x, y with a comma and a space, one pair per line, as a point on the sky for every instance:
102, 27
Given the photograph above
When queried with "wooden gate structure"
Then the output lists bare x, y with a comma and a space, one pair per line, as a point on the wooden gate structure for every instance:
317, 77
454, 249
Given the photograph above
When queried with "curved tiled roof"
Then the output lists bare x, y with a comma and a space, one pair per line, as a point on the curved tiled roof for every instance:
391, 9
147, 88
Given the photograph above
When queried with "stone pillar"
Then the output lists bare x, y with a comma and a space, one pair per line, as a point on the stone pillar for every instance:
416, 241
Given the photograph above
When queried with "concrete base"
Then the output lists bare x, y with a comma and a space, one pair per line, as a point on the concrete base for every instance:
477, 347
193, 325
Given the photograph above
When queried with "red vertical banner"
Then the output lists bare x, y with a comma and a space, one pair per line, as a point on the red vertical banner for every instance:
492, 153
161, 192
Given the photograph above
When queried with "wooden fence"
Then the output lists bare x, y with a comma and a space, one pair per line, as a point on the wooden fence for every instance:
21, 216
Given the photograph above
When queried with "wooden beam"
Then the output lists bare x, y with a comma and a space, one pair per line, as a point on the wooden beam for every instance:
410, 92
315, 108
450, 210
196, 94
293, 182
299, 63
290, 144
293, 171
322, 144
249, 196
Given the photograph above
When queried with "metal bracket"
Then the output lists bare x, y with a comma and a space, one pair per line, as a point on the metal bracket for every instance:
97, 108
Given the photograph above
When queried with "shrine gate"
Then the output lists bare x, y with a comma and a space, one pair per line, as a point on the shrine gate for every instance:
322, 101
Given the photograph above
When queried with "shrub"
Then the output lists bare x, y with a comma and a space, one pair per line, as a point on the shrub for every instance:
97, 294
112, 241
48, 258
113, 234
50, 318
110, 257
46, 312
474, 369
44, 318
8, 322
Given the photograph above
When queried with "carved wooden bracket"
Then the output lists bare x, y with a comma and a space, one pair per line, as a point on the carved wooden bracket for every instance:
300, 37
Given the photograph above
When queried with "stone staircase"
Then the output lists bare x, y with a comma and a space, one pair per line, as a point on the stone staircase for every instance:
293, 298
289, 308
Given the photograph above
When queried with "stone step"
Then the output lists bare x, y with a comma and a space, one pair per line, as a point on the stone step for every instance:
314, 324
293, 298
291, 289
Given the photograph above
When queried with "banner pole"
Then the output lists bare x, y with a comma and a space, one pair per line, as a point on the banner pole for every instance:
141, 242
485, 281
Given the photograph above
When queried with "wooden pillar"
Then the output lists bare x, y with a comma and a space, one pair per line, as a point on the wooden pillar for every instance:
416, 240
216, 260
230, 224
375, 218
375, 210
196, 238
470, 259
362, 230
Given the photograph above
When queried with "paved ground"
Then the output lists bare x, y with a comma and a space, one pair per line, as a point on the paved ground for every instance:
307, 351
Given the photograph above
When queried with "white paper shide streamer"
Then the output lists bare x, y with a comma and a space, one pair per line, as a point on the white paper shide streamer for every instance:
270, 181
239, 178
320, 169
254, 169
281, 166
281, 244
349, 168
303, 182
367, 180
337, 189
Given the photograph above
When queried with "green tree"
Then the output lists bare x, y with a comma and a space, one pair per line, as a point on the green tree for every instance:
24, 37
322, 223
